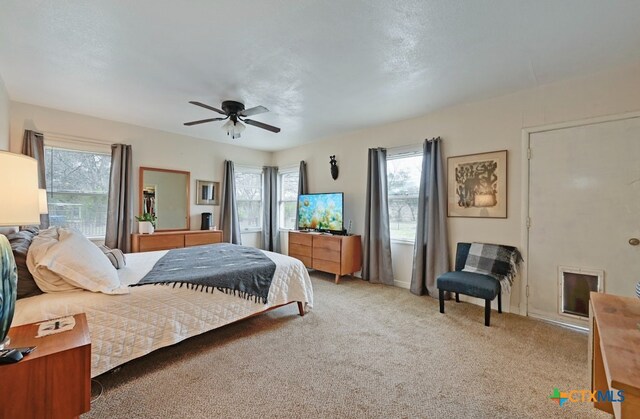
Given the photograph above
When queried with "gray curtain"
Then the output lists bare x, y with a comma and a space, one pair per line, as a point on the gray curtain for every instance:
119, 206
431, 251
33, 146
302, 186
228, 206
270, 233
377, 238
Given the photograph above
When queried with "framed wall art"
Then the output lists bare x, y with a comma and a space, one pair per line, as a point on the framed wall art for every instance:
207, 192
477, 185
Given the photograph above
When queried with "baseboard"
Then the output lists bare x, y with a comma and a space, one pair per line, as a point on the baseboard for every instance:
402, 284
559, 321
506, 306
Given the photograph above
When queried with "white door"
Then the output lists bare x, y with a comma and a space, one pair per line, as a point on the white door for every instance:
584, 207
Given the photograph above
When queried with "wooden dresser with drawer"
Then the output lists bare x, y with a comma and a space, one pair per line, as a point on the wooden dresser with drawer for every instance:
164, 240
339, 255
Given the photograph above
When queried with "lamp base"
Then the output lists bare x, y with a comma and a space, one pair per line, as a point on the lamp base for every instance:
8, 285
5, 342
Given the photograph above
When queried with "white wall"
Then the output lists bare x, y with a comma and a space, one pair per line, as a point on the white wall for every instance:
153, 148
489, 125
4, 117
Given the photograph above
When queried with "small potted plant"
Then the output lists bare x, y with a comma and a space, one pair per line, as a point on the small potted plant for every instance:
146, 223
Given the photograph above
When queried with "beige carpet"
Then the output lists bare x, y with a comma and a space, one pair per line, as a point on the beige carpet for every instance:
364, 351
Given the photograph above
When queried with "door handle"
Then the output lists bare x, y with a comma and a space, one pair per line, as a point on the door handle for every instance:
634, 242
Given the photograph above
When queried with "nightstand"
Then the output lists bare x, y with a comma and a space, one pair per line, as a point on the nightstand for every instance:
53, 381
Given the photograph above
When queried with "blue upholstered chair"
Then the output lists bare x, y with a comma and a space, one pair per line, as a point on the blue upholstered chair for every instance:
469, 283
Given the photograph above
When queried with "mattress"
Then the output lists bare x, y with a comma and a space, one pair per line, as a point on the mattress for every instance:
125, 327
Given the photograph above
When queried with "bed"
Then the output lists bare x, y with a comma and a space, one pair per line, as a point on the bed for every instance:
125, 327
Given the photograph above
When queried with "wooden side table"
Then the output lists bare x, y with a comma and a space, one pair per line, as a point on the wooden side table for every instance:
53, 381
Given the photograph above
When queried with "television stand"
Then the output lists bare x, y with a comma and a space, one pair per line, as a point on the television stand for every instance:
339, 255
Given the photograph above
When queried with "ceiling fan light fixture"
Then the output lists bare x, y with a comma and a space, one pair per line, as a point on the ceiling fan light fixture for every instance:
233, 129
239, 127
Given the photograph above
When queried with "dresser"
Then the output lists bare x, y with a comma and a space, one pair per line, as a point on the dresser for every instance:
164, 240
339, 255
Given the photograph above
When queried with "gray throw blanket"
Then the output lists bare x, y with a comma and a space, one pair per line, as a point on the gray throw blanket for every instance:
230, 268
496, 260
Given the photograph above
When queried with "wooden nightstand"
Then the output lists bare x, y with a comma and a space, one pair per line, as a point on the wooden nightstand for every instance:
53, 381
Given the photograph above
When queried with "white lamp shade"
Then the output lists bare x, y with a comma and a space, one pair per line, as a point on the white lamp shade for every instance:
19, 204
234, 129
42, 200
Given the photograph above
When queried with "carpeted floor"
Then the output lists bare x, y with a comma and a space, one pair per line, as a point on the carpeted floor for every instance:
364, 351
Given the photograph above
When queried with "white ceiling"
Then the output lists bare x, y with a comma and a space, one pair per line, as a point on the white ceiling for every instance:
321, 67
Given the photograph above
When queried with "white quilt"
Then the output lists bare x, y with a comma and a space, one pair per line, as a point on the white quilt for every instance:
125, 327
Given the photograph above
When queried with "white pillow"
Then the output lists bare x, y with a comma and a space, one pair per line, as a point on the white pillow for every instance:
71, 262
46, 280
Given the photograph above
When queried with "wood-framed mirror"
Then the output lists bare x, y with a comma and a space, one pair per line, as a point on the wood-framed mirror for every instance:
165, 193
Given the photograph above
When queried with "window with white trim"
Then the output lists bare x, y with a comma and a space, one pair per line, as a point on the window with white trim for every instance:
403, 180
288, 197
249, 197
78, 189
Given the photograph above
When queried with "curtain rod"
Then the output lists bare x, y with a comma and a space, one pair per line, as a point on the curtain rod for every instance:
76, 138
414, 144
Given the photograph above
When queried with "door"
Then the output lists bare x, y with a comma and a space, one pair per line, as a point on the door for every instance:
584, 207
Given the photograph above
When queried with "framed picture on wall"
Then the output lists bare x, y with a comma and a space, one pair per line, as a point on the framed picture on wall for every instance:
477, 185
207, 192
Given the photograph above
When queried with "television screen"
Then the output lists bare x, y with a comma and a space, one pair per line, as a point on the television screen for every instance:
321, 211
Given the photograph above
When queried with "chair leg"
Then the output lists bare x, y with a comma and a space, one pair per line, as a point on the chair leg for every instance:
499, 302
441, 298
487, 312
457, 297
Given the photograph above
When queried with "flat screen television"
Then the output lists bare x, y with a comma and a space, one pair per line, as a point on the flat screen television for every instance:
321, 212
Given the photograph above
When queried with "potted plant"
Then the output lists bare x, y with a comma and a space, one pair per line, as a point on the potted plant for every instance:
146, 223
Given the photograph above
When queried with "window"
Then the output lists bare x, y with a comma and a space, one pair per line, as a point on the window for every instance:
249, 197
288, 198
403, 180
77, 189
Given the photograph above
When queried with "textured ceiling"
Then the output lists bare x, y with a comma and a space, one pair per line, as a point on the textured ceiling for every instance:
321, 67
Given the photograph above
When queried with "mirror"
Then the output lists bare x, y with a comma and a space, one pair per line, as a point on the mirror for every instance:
165, 193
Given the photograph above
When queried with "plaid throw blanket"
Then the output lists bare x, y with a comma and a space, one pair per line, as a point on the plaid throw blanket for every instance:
498, 261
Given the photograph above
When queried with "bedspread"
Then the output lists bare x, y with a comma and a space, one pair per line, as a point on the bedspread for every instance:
125, 327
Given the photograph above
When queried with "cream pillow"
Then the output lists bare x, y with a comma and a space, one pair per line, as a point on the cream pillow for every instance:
46, 280
71, 262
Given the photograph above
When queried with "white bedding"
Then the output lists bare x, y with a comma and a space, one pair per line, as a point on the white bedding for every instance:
125, 327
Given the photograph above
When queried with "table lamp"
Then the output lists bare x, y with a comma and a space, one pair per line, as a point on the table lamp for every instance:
42, 201
19, 205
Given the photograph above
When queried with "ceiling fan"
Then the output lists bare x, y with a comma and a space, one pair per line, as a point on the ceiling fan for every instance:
235, 112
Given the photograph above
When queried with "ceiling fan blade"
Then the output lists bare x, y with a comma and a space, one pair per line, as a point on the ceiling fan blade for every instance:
262, 125
211, 108
253, 111
203, 121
